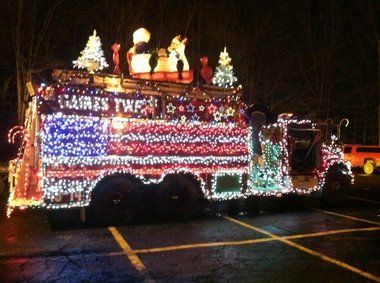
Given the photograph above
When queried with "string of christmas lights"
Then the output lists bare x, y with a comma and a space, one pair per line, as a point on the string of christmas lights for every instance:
271, 176
95, 101
77, 149
80, 134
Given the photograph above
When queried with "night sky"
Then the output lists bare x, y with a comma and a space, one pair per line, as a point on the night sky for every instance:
318, 59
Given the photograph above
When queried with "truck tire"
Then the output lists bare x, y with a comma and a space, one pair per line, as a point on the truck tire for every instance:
116, 200
178, 197
336, 184
369, 167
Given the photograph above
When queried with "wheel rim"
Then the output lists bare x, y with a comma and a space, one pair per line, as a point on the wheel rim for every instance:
368, 168
336, 186
116, 200
177, 197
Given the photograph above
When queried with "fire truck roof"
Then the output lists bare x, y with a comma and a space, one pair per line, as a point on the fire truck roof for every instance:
117, 83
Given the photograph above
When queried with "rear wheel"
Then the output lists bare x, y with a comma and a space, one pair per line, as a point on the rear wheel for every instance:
116, 200
369, 167
335, 188
178, 196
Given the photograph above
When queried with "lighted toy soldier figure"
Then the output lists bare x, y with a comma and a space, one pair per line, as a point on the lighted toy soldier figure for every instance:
206, 71
116, 58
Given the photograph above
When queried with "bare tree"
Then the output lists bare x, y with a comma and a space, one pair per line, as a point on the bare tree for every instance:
29, 32
363, 17
322, 36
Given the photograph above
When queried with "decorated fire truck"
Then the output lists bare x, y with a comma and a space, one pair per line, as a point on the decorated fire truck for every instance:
109, 143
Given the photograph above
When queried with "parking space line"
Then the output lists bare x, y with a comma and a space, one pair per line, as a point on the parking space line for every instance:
252, 241
307, 250
16, 258
137, 263
363, 199
331, 232
202, 245
344, 216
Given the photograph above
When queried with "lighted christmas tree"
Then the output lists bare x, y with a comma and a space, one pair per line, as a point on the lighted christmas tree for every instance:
92, 57
224, 74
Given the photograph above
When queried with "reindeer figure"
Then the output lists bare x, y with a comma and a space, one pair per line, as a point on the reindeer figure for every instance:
177, 52
115, 57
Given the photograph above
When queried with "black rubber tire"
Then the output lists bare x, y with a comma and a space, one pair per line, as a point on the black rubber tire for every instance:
116, 200
334, 190
178, 197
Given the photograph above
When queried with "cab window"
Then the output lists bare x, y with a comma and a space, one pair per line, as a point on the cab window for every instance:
368, 149
348, 149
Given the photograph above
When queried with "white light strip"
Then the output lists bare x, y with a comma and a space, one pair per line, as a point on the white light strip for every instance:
179, 138
144, 160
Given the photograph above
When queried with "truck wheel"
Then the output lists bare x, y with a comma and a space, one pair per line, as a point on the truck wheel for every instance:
178, 197
334, 189
369, 167
116, 200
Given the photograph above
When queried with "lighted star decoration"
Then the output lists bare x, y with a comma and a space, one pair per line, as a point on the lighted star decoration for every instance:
190, 108
201, 108
170, 108
230, 111
183, 119
153, 102
181, 108
217, 116
212, 109
195, 118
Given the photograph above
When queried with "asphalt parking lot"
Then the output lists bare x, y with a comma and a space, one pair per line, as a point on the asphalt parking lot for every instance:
286, 240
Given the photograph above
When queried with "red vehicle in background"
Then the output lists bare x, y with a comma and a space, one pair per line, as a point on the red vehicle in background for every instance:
366, 156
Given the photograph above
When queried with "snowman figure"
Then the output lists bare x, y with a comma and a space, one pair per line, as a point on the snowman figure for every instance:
138, 55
